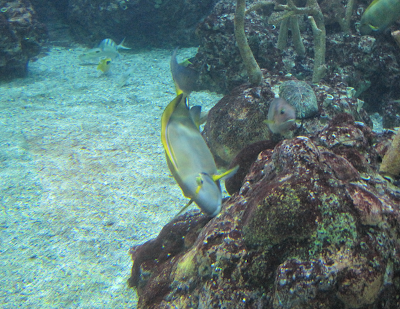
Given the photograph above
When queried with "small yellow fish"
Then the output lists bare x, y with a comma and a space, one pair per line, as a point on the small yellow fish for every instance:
379, 15
188, 157
184, 78
281, 116
104, 65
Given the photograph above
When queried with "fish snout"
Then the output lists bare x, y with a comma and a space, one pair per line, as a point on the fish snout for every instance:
209, 197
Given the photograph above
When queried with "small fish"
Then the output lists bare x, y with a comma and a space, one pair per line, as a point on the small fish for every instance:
281, 116
104, 65
184, 78
188, 157
379, 15
107, 49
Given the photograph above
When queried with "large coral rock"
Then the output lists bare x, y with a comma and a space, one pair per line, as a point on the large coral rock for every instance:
306, 230
237, 120
21, 37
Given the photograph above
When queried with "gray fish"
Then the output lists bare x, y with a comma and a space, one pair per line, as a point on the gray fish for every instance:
281, 116
107, 49
184, 78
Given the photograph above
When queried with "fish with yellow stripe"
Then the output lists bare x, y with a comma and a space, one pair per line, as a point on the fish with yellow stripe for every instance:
379, 15
188, 157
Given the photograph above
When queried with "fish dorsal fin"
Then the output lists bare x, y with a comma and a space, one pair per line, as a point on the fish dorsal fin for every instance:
226, 175
169, 110
195, 114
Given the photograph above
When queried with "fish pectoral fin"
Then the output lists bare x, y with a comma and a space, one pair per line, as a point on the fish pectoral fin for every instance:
374, 28
269, 122
227, 174
184, 208
185, 63
199, 181
195, 114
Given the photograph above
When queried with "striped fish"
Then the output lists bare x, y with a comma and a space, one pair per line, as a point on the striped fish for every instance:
107, 49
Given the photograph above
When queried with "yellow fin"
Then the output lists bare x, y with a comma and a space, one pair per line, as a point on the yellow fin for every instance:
184, 208
185, 63
227, 174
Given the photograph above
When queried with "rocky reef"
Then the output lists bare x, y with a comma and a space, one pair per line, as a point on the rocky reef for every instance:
313, 225
239, 118
369, 64
22, 37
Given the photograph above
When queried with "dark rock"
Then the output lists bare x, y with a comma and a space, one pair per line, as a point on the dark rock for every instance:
157, 23
236, 121
244, 159
224, 68
21, 36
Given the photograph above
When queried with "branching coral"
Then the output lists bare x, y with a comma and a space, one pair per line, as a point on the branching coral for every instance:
318, 26
253, 70
345, 21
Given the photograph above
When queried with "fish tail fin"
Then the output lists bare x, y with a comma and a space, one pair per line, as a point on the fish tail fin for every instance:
121, 45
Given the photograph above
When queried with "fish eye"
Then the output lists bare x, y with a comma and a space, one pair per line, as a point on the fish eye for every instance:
97, 51
108, 62
282, 111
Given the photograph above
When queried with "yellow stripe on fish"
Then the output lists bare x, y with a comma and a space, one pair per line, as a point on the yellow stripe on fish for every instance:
189, 159
379, 15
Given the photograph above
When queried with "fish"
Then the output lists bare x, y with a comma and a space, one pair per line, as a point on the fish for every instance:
185, 78
379, 15
106, 49
281, 116
189, 158
104, 65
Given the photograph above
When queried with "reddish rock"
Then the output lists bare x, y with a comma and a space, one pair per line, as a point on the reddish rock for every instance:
304, 231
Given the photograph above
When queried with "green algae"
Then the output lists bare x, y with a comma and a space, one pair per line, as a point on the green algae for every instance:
281, 215
335, 228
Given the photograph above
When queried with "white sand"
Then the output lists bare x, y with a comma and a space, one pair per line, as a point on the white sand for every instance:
83, 177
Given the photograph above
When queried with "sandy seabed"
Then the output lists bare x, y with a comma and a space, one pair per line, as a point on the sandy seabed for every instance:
83, 177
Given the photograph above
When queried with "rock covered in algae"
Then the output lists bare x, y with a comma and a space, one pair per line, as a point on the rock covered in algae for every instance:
301, 96
306, 230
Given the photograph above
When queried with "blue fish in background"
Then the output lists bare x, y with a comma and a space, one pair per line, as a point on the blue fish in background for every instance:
188, 157
379, 15
107, 49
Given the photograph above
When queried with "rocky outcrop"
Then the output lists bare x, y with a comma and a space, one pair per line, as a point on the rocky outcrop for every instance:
21, 37
311, 227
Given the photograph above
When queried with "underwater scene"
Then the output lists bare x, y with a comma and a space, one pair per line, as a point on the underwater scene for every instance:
181, 154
